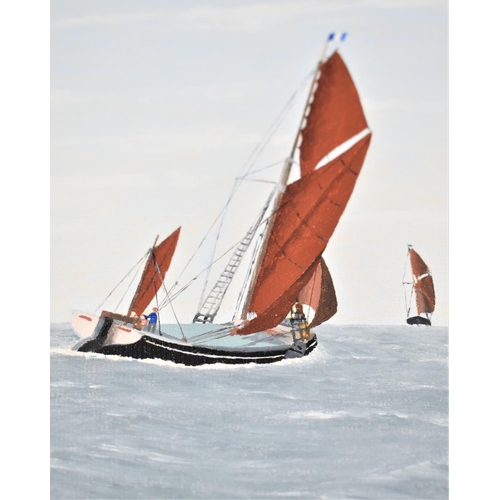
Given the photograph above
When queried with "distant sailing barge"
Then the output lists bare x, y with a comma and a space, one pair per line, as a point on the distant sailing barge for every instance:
287, 273
422, 298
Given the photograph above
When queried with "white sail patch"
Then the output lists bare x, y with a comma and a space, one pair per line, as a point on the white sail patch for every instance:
342, 148
421, 277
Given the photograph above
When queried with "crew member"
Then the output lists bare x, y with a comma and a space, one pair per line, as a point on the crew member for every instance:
152, 320
299, 322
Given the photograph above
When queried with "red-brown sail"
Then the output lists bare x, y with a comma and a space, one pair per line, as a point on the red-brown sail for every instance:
151, 281
320, 295
423, 284
279, 308
336, 114
309, 212
310, 295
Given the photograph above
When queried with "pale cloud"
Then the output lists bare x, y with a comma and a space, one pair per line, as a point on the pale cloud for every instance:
245, 18
106, 19
84, 182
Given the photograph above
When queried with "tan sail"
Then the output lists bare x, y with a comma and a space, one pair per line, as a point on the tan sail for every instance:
154, 272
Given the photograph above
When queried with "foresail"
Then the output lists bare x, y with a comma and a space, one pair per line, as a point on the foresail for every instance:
423, 284
319, 294
310, 295
156, 267
306, 219
335, 116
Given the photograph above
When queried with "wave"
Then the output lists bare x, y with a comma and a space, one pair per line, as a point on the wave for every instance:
318, 415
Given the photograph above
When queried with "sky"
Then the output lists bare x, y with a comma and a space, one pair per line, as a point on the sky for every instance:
156, 108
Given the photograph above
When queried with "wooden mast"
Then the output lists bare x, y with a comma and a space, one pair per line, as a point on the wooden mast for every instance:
285, 174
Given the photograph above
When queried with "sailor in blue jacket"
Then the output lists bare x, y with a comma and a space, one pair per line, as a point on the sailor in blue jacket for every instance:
152, 320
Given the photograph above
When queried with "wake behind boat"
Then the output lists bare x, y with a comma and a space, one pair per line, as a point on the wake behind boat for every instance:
288, 289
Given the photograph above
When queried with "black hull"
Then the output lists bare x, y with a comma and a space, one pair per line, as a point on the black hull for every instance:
153, 347
418, 320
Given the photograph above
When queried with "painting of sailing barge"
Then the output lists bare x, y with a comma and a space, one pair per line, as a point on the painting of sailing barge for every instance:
288, 272
229, 316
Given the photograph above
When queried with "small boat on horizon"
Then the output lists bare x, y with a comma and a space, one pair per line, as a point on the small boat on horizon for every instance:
287, 274
422, 300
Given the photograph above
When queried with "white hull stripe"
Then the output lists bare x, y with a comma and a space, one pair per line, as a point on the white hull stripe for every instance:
215, 355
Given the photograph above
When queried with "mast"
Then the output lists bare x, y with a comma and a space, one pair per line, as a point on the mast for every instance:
285, 174
408, 301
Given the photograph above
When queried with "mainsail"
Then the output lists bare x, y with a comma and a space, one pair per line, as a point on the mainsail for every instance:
309, 209
423, 284
154, 272
308, 214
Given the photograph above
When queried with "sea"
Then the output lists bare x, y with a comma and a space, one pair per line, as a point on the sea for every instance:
364, 416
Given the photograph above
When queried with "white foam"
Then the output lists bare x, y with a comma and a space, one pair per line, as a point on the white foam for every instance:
148, 455
318, 415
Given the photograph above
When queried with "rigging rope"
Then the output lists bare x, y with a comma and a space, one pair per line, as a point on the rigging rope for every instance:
247, 165
278, 120
238, 179
219, 333
165, 288
121, 281
166, 300
215, 245
407, 301
260, 169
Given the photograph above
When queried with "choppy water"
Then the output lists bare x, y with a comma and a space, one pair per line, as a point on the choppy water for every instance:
364, 416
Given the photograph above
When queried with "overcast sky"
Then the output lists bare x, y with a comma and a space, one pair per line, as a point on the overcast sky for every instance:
157, 106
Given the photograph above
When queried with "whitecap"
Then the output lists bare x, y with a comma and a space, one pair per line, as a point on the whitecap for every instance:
318, 415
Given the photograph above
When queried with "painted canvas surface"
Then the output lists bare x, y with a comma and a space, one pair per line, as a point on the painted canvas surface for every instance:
171, 126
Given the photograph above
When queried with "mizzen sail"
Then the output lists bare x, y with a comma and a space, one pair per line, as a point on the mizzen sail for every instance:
157, 265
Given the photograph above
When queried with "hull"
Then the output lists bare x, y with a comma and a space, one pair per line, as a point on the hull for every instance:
418, 320
140, 345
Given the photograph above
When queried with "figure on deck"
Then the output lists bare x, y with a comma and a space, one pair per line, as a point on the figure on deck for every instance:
299, 322
152, 319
